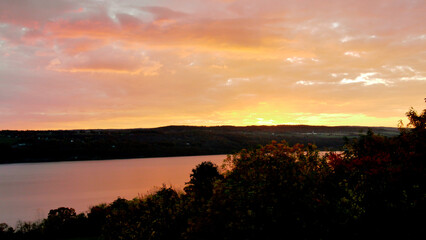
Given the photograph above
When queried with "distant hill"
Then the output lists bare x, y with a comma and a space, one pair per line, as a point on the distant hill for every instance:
71, 145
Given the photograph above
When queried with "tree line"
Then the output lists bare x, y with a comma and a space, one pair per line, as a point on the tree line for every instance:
76, 145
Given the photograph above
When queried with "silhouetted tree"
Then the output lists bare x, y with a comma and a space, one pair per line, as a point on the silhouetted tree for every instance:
157, 216
65, 223
199, 191
203, 177
97, 217
269, 191
6, 232
384, 179
29, 230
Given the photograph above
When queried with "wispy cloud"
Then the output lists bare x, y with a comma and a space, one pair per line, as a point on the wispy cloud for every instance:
353, 54
106, 60
366, 79
234, 81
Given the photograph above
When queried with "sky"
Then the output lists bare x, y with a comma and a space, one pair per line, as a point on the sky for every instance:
69, 64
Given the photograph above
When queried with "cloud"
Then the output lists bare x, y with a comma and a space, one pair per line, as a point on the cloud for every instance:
34, 14
295, 59
234, 81
366, 79
395, 69
308, 83
301, 59
163, 13
107, 60
335, 75
74, 46
405, 73
414, 78
352, 54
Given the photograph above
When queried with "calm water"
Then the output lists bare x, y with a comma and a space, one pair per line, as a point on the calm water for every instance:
29, 190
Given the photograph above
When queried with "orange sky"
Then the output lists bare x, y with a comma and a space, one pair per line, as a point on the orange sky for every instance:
135, 64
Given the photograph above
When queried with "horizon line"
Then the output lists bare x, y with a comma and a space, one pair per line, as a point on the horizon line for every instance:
206, 126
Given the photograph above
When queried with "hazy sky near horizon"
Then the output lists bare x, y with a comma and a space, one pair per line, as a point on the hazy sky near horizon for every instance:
131, 64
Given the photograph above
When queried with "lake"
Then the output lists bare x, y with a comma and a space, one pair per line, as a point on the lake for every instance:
29, 190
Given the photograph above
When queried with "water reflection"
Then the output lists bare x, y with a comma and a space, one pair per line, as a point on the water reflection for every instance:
28, 191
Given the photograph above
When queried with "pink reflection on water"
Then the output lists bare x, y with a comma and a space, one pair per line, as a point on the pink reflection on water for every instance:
28, 191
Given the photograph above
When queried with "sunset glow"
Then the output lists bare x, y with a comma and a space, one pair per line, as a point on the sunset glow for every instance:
136, 64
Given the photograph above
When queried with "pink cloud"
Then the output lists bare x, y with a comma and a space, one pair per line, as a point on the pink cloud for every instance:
106, 59
164, 13
34, 13
98, 26
74, 46
253, 26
